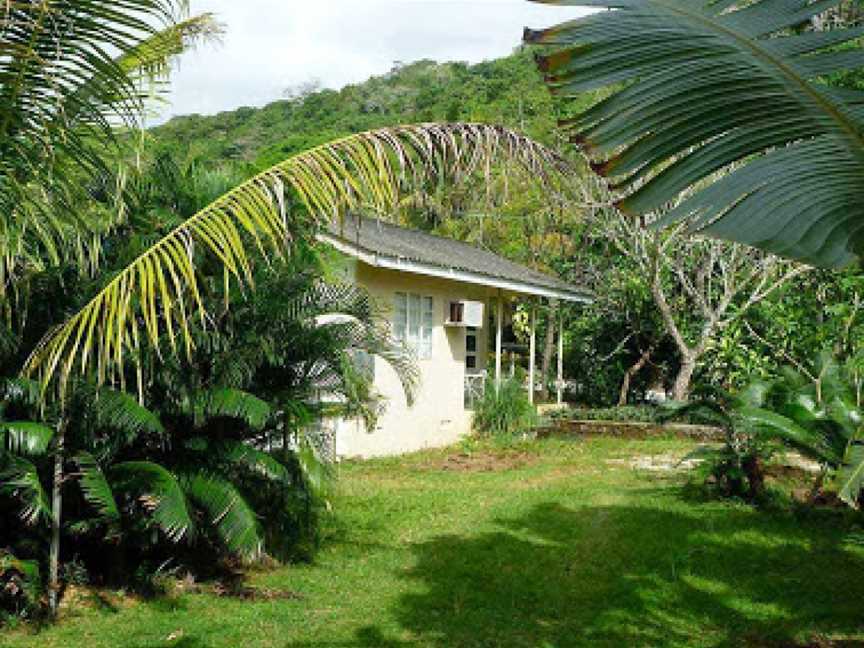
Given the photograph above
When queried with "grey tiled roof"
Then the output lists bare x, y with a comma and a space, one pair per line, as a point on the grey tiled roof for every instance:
381, 238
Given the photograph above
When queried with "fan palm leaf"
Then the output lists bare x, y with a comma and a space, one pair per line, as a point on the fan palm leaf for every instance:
159, 292
229, 513
722, 100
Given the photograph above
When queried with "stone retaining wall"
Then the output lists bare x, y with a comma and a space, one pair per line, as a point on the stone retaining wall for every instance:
632, 430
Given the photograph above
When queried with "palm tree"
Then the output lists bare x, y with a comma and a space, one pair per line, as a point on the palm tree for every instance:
265, 217
729, 103
74, 74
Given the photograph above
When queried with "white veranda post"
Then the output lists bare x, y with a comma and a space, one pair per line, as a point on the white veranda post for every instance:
532, 351
560, 382
499, 335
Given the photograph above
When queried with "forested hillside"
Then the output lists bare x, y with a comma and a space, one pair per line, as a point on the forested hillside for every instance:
507, 91
623, 330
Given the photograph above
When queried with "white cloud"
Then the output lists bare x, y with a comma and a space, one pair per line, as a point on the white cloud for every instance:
271, 45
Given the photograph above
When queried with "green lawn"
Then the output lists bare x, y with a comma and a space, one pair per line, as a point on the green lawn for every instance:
564, 545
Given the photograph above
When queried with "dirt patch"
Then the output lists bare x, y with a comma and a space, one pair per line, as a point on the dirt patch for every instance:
482, 461
657, 463
235, 588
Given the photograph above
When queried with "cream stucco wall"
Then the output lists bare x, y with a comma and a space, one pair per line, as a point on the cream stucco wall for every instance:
438, 416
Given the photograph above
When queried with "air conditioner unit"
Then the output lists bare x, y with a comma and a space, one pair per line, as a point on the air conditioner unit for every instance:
464, 313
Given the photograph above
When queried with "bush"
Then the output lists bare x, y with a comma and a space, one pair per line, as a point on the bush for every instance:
20, 587
505, 411
628, 413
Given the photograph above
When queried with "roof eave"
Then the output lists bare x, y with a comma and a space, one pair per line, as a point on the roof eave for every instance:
466, 276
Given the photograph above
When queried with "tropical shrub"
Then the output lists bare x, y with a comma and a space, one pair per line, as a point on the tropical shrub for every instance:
504, 410
20, 587
737, 468
819, 417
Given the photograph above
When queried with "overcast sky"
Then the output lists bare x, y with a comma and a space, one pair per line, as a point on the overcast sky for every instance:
272, 45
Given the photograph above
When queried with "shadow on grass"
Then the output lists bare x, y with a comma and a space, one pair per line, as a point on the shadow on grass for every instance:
631, 576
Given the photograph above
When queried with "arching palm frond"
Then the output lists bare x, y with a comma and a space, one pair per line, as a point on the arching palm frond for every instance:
696, 88
159, 492
228, 512
96, 489
159, 291
19, 479
316, 472
72, 73
249, 458
26, 438
123, 414
231, 403
347, 312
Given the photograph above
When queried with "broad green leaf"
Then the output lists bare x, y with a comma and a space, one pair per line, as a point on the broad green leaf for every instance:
722, 104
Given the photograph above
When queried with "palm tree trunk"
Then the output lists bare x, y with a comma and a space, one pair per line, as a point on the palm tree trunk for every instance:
56, 517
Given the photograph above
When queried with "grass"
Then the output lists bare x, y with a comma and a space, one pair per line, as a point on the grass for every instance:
557, 544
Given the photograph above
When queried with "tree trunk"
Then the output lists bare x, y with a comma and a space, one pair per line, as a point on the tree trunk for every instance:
681, 391
56, 516
752, 467
548, 350
632, 371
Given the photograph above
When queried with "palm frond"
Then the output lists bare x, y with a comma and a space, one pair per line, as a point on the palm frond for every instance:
252, 459
159, 492
159, 292
231, 403
850, 476
26, 438
776, 426
72, 72
96, 489
316, 472
228, 512
122, 413
723, 100
346, 311
19, 479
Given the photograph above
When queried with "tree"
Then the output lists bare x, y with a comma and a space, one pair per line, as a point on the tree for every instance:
696, 88
699, 286
73, 71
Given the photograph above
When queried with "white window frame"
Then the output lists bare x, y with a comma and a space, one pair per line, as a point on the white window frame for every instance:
413, 322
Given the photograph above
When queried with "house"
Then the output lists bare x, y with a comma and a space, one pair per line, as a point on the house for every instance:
447, 300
